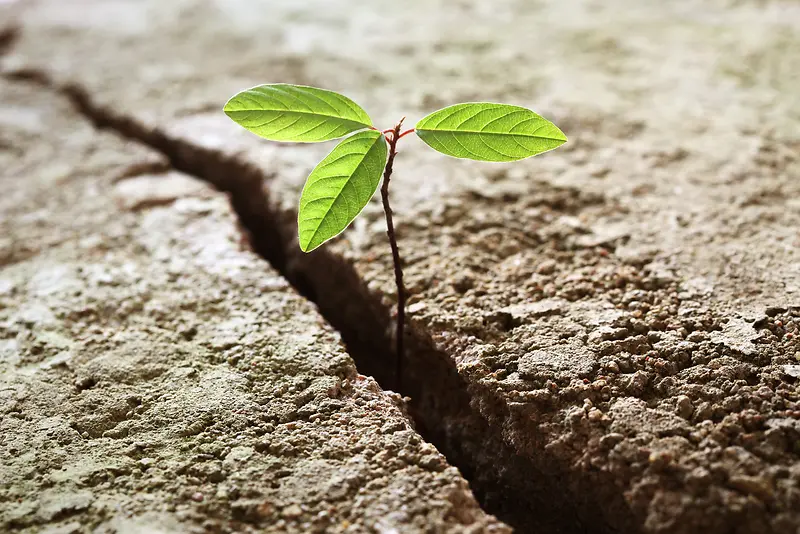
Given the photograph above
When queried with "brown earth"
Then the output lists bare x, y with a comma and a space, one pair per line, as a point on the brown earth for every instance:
604, 338
157, 376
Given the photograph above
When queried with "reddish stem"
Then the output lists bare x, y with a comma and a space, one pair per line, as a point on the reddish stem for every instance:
412, 130
398, 269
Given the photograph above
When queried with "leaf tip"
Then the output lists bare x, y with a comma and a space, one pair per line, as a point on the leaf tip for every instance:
559, 135
228, 107
308, 245
312, 247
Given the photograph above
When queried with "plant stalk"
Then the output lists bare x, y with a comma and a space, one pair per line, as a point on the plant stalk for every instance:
392, 139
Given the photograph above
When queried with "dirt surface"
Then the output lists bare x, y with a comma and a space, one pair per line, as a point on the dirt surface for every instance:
157, 376
618, 316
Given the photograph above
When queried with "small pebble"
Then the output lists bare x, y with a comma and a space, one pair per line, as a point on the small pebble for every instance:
292, 511
684, 407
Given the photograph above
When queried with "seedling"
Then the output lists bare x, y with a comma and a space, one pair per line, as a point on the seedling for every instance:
343, 183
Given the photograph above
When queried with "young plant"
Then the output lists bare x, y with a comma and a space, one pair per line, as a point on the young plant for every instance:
343, 183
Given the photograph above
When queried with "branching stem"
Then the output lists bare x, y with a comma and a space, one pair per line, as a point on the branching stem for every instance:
392, 137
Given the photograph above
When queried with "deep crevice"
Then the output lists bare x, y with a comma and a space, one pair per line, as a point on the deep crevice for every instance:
528, 495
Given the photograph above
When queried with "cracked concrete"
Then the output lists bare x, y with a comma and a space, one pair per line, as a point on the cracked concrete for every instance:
616, 320
158, 376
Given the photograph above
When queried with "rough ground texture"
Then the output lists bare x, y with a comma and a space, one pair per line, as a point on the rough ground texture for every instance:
157, 376
608, 330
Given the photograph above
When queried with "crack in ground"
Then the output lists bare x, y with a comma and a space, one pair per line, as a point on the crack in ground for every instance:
507, 485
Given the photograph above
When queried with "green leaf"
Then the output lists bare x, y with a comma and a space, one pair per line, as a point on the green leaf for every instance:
339, 187
489, 132
283, 112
